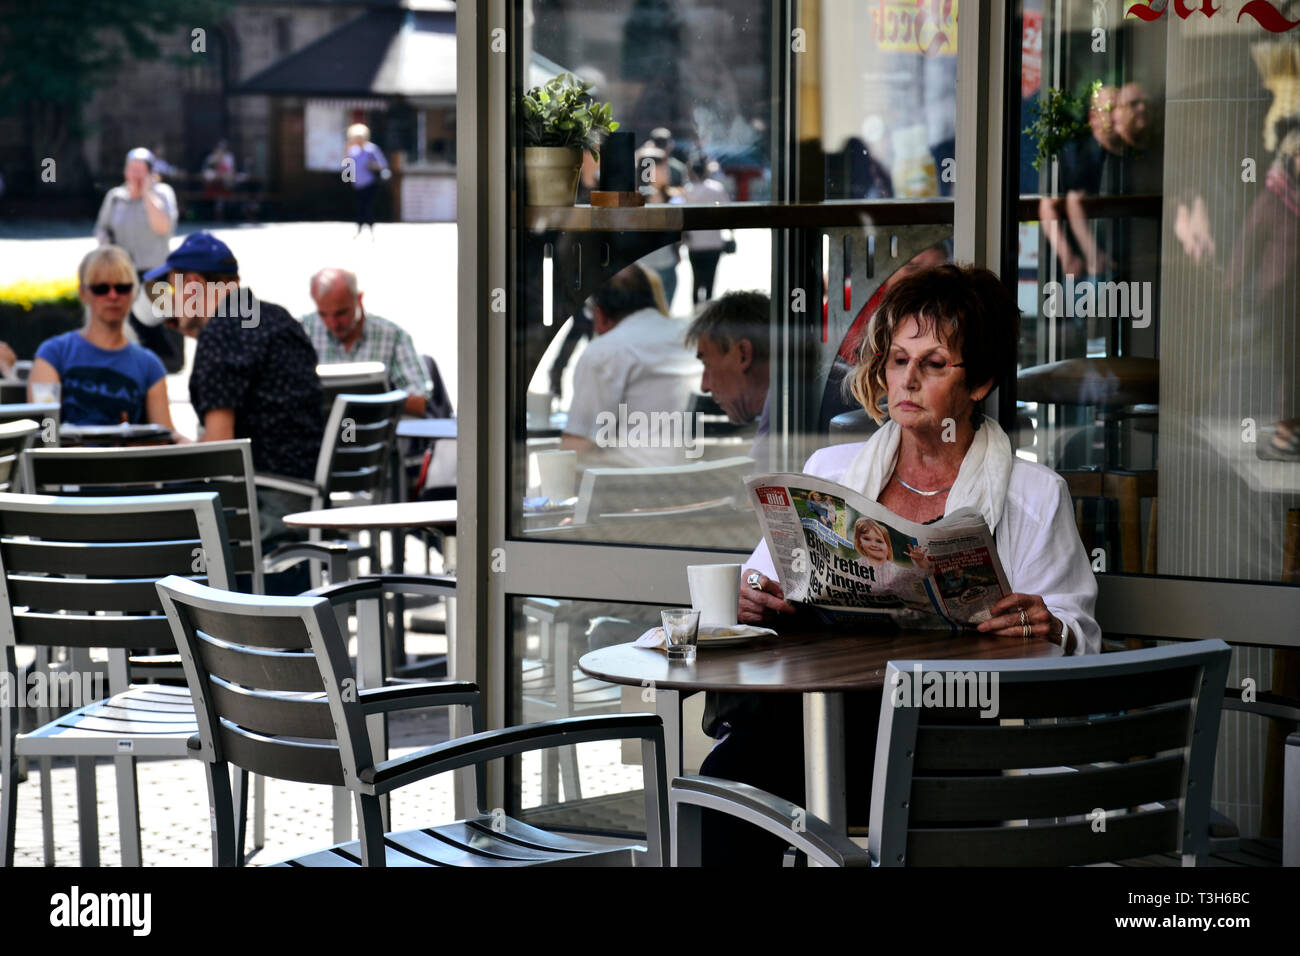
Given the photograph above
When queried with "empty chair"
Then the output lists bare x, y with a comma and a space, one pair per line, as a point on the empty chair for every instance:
80, 573
15, 438
224, 467
1136, 732
45, 414
273, 693
360, 436
354, 378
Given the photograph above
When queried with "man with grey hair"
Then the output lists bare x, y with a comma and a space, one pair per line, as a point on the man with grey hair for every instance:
341, 331
732, 338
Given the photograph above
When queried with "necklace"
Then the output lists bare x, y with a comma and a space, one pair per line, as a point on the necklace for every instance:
918, 491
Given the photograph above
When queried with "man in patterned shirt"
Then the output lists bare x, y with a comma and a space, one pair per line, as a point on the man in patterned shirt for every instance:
341, 331
254, 372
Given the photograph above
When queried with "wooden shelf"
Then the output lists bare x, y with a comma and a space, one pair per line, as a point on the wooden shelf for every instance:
740, 215
1138, 205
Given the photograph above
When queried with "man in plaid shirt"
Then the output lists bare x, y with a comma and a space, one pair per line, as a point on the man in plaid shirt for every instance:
341, 331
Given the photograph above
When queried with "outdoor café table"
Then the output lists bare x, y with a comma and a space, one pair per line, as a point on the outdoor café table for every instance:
823, 665
114, 436
440, 515
426, 428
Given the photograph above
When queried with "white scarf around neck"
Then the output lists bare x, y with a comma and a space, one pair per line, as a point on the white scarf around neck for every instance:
981, 483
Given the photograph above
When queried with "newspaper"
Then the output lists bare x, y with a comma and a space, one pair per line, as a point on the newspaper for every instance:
849, 558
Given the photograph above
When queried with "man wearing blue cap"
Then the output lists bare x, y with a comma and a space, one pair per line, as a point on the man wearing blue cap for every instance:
254, 372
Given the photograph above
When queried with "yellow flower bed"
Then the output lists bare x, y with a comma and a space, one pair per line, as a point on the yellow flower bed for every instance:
31, 292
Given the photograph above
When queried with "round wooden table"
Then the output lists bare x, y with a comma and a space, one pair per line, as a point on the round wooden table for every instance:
821, 665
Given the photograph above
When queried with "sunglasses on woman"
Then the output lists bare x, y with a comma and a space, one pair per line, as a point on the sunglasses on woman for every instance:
121, 288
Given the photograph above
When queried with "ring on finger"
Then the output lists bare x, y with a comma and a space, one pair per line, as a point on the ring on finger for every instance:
1028, 631
1024, 618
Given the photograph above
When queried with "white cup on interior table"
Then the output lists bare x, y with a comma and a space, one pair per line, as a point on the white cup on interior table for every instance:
558, 471
715, 592
539, 409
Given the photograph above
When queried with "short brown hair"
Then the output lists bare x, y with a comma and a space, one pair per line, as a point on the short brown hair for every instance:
968, 307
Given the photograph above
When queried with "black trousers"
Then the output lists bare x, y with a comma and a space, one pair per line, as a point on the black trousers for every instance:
366, 204
765, 750
704, 266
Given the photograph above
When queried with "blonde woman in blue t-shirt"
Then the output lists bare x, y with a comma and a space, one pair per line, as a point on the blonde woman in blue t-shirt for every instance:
104, 378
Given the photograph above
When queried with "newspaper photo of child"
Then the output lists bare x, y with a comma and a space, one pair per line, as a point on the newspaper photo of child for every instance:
874, 543
828, 513
823, 507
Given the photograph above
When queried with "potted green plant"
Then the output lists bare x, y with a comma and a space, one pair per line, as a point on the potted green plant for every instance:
1058, 118
560, 120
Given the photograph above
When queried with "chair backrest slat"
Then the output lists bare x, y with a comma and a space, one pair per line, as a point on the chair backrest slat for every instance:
224, 467
106, 527
283, 760
1131, 735
941, 747
941, 800
262, 669
263, 713
152, 559
52, 593
1124, 838
69, 630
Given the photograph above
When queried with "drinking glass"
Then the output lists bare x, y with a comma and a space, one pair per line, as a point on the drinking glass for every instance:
681, 628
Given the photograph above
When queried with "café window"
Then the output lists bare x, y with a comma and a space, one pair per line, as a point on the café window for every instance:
618, 435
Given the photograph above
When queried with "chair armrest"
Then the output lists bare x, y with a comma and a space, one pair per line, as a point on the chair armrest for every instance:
429, 585
300, 486
384, 700
805, 832
294, 552
1265, 704
493, 744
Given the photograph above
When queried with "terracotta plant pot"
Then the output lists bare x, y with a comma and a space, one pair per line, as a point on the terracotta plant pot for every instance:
551, 175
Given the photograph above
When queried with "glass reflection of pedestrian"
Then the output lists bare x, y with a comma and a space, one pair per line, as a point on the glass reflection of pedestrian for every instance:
704, 247
369, 167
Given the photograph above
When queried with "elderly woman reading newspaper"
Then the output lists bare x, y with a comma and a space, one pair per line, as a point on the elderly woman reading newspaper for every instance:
939, 343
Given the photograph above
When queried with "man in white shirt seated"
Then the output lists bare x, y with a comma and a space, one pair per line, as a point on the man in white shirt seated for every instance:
633, 383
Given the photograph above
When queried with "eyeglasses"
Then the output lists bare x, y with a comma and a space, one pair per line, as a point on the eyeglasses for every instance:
930, 367
121, 288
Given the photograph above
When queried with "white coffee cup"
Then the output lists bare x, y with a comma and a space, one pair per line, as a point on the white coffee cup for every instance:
715, 592
558, 472
539, 409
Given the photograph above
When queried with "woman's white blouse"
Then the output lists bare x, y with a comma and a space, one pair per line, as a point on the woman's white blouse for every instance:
1037, 542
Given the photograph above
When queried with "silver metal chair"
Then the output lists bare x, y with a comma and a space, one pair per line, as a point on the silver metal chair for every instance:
15, 438
1061, 774
80, 573
275, 695
46, 414
224, 467
360, 433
